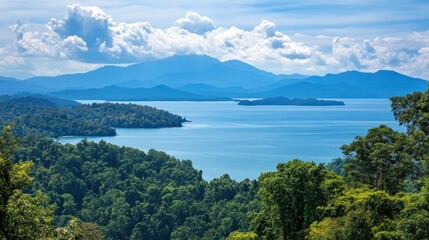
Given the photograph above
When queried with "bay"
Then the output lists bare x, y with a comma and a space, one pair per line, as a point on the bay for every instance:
244, 141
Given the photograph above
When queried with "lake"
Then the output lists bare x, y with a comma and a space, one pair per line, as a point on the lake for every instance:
244, 141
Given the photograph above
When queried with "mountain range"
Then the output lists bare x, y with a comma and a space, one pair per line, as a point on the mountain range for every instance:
200, 78
115, 93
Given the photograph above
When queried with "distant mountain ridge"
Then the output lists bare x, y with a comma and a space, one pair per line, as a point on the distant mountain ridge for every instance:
190, 77
10, 85
173, 71
381, 84
115, 93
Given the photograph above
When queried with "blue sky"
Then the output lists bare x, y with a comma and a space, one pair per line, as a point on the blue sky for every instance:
307, 37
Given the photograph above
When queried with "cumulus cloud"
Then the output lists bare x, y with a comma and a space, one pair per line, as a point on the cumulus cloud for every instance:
91, 24
89, 35
195, 23
266, 29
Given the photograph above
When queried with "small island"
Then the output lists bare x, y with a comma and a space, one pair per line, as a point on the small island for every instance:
290, 102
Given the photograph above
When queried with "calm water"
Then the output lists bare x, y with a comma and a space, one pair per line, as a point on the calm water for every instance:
244, 141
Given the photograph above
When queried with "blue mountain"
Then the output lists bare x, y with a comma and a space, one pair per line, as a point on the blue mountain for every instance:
380, 84
204, 75
12, 85
351, 84
172, 71
115, 93
114, 75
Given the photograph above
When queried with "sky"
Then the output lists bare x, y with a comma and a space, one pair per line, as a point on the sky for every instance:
47, 38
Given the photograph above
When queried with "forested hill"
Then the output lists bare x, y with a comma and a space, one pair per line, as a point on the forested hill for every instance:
38, 100
55, 117
131, 194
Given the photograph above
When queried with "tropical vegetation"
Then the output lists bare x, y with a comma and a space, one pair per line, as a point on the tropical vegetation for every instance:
379, 189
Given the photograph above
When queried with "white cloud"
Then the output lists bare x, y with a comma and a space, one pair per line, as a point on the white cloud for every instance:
194, 23
13, 65
89, 23
74, 44
89, 35
266, 29
103, 39
6, 59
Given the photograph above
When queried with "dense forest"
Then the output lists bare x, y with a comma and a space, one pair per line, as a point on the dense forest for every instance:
379, 189
55, 117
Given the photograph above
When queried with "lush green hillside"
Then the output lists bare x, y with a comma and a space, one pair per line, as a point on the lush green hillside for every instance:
43, 116
137, 195
378, 190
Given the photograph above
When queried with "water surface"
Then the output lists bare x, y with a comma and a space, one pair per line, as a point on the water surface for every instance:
244, 141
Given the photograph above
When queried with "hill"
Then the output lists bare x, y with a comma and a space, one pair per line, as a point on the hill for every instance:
45, 117
38, 100
12, 85
381, 84
351, 84
115, 93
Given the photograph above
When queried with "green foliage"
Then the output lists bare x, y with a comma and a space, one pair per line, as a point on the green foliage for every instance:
131, 194
22, 216
414, 226
43, 117
369, 203
78, 230
359, 213
329, 228
242, 236
412, 110
99, 190
29, 217
414, 219
290, 198
336, 165
380, 159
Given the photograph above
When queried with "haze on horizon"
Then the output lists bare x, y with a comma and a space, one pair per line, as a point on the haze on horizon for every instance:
310, 37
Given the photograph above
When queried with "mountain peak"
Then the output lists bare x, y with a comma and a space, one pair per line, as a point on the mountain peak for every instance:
185, 59
193, 57
390, 73
161, 87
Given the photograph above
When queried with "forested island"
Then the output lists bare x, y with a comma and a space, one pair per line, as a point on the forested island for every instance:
290, 101
57, 117
378, 189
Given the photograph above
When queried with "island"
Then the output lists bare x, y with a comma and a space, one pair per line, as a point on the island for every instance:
291, 102
53, 117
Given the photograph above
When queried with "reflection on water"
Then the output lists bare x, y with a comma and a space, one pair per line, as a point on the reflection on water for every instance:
244, 141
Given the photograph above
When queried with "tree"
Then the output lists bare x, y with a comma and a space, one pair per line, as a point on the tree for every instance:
414, 219
29, 217
242, 236
290, 198
22, 216
412, 110
359, 213
380, 159
76, 229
